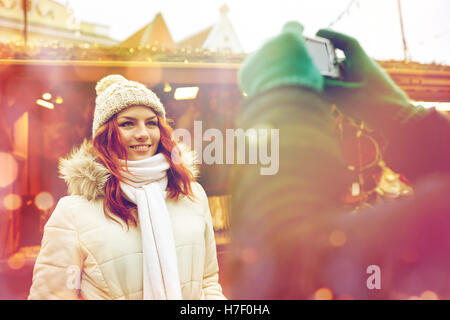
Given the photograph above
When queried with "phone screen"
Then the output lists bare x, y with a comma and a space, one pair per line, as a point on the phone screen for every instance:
322, 57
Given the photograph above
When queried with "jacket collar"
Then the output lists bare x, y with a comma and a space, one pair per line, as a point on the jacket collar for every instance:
86, 176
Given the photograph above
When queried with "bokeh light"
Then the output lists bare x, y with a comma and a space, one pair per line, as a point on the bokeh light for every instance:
338, 238
12, 201
45, 104
9, 169
167, 87
44, 200
16, 261
47, 96
323, 294
429, 295
426, 295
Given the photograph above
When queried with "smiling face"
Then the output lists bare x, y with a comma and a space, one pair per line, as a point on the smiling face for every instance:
140, 132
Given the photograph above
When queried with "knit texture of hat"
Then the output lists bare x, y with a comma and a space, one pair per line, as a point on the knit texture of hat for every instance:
115, 93
282, 60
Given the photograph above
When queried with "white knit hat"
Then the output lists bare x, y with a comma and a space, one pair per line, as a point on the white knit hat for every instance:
115, 93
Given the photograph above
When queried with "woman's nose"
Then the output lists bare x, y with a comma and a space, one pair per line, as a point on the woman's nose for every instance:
141, 133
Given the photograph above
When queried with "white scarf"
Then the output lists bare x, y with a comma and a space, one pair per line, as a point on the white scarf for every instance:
160, 268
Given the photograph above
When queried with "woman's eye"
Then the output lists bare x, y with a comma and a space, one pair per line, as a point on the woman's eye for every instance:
129, 124
126, 124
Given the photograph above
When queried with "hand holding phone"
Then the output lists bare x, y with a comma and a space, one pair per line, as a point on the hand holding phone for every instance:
365, 86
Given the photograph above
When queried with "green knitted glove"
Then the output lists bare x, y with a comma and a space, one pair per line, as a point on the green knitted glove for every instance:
283, 60
367, 92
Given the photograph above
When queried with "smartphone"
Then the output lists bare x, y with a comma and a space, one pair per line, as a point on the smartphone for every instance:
323, 54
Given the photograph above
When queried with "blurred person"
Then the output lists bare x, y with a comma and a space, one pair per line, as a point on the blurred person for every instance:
282, 226
136, 225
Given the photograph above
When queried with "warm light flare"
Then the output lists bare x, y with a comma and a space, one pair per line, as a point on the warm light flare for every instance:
429, 295
47, 96
323, 294
9, 171
16, 261
338, 238
44, 200
167, 87
12, 202
59, 100
45, 104
186, 93
20, 130
426, 295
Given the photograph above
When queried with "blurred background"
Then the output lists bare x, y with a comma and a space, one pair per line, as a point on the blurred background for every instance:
52, 53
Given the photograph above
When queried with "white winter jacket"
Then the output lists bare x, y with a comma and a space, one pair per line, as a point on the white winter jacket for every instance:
86, 255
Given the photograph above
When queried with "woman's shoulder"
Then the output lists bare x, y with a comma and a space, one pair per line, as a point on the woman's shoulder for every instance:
70, 207
74, 200
198, 190
62, 215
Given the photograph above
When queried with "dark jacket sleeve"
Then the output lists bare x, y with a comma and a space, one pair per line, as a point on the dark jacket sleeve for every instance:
272, 212
419, 146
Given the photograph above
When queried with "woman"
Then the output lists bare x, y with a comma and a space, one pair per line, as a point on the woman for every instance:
136, 225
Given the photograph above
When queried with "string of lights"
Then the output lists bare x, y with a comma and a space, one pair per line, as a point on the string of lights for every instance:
346, 11
61, 51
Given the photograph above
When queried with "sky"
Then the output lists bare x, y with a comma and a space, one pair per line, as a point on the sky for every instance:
375, 23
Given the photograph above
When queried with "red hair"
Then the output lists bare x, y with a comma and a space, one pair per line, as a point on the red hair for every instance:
109, 148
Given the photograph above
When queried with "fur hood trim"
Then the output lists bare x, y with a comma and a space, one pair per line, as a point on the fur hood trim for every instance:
86, 176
